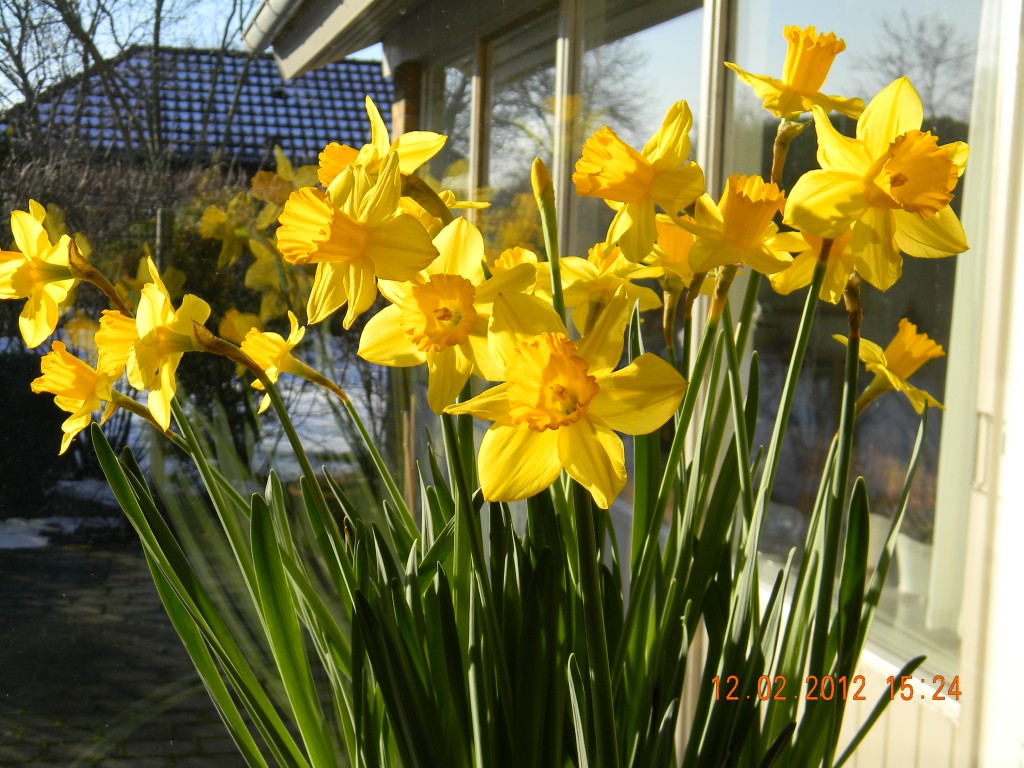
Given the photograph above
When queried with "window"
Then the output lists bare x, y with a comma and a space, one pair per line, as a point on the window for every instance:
934, 44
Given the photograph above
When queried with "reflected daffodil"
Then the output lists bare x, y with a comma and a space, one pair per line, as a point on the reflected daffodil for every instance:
78, 389
808, 60
562, 401
38, 272
892, 184
164, 335
635, 182
906, 353
354, 234
440, 317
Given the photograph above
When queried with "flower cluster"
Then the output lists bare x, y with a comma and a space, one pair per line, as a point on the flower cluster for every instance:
551, 385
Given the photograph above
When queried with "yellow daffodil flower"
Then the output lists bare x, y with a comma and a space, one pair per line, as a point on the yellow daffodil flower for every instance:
79, 389
273, 353
114, 341
808, 60
590, 283
39, 273
354, 235
414, 149
562, 402
164, 335
661, 175
892, 184
740, 230
800, 273
906, 353
513, 257
440, 317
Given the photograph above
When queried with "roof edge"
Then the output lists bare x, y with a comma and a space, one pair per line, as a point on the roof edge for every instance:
267, 22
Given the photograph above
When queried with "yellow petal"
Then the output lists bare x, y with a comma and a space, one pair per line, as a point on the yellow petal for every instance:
400, 248
837, 152
674, 189
594, 457
958, 153
381, 202
385, 342
763, 85
329, 291
517, 316
640, 397
601, 347
869, 353
519, 279
161, 391
940, 235
40, 314
447, 371
797, 275
873, 242
416, 147
670, 146
634, 230
484, 363
461, 251
824, 203
489, 405
517, 462
894, 111
192, 310
362, 290
29, 234
379, 137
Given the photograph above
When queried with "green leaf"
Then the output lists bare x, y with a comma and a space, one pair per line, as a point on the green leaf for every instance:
580, 716
852, 577
192, 639
876, 712
278, 611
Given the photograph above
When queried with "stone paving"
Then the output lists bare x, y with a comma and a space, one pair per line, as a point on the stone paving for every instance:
92, 674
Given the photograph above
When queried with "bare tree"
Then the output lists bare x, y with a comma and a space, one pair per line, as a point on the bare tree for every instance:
936, 56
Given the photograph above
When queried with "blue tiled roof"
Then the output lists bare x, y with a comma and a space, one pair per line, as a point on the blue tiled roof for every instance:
302, 115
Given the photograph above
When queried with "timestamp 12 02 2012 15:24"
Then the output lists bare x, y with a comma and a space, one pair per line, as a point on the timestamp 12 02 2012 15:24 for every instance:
827, 688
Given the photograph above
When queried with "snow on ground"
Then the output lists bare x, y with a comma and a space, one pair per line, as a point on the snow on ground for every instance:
20, 533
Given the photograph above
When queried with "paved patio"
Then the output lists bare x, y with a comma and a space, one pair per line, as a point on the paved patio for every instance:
91, 672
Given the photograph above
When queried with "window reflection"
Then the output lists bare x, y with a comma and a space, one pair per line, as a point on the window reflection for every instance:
933, 43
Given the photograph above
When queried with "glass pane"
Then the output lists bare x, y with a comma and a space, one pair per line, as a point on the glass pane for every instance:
628, 84
934, 44
520, 126
448, 96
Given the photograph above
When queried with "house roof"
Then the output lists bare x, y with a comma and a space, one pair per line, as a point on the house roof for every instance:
302, 114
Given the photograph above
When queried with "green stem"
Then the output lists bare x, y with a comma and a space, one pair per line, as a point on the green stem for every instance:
803, 335
597, 642
464, 507
544, 192
835, 511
